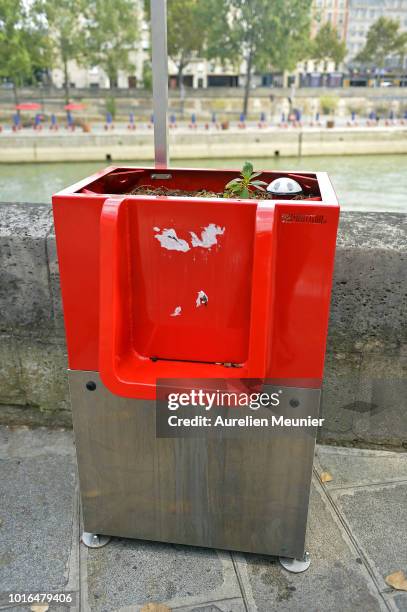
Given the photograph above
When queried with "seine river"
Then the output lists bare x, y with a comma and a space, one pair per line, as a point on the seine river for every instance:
371, 182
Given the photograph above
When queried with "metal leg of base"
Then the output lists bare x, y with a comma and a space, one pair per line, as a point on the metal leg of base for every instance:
94, 540
296, 566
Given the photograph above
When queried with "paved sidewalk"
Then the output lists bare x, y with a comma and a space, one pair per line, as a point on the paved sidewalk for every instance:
357, 536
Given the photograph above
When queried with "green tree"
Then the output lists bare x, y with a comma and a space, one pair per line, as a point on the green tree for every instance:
326, 45
264, 33
147, 75
186, 33
113, 29
384, 40
67, 32
110, 104
23, 46
40, 47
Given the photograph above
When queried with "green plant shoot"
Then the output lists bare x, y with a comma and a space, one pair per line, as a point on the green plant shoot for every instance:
244, 186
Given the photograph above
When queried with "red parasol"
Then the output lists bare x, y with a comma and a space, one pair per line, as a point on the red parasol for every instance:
74, 106
28, 106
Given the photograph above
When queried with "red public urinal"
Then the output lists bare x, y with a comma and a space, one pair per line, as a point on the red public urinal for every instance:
185, 285
160, 287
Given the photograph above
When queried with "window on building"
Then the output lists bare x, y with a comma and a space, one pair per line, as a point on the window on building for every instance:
223, 81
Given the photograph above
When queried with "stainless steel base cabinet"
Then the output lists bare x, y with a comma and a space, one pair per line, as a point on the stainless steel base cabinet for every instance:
244, 494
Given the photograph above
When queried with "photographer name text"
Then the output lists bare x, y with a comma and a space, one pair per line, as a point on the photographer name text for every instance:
246, 421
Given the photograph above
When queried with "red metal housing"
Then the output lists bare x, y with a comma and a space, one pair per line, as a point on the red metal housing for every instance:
174, 287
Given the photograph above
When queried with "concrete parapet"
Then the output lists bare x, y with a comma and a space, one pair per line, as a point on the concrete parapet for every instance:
365, 390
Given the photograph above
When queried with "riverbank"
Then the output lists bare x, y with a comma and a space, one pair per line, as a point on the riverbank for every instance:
185, 143
225, 102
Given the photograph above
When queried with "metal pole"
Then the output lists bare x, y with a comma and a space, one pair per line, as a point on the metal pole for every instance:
160, 81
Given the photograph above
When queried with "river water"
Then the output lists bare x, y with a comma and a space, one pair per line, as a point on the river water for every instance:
366, 182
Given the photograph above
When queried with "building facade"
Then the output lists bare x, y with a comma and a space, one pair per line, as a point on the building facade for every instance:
363, 13
335, 12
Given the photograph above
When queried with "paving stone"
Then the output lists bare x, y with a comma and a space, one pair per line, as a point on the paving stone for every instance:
335, 581
356, 467
38, 480
401, 602
232, 604
129, 572
227, 605
36, 521
218, 606
378, 519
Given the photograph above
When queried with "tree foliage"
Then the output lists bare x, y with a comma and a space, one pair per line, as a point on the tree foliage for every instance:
23, 44
384, 40
326, 45
147, 75
112, 30
266, 34
67, 32
186, 32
